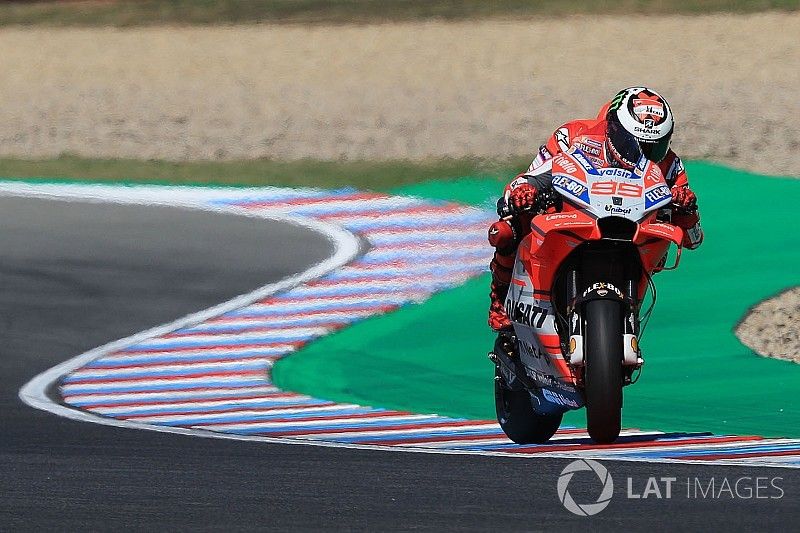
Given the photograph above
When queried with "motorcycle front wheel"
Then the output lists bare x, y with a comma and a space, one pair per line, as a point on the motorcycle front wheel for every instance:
517, 418
603, 372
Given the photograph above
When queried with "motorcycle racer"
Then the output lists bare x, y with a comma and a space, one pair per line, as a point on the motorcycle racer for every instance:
637, 121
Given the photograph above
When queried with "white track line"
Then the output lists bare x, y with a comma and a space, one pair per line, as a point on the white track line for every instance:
34, 394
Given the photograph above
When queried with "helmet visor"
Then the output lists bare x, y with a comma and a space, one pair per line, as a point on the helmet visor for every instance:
655, 151
623, 145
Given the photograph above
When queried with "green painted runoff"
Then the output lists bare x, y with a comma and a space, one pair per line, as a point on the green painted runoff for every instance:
431, 357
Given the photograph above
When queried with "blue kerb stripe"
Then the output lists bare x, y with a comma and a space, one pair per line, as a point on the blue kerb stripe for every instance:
666, 439
417, 240
356, 208
347, 275
444, 434
233, 328
155, 373
427, 256
733, 450
288, 402
179, 358
374, 288
301, 307
229, 403
363, 425
224, 418
111, 389
187, 343
277, 195
412, 221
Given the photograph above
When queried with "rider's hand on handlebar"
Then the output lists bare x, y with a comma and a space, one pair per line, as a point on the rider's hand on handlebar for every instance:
522, 198
683, 198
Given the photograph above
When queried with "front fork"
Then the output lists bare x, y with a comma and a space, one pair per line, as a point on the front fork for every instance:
575, 353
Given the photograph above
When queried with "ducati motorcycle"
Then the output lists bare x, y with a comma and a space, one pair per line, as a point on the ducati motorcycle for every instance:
576, 298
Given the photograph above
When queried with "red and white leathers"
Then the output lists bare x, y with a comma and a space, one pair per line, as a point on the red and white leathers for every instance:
590, 137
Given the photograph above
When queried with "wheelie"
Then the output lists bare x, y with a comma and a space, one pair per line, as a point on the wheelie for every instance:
580, 235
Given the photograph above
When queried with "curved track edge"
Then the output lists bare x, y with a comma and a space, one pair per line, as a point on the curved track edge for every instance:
141, 381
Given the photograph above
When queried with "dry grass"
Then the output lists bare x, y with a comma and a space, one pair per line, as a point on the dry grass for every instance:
374, 175
403, 91
155, 12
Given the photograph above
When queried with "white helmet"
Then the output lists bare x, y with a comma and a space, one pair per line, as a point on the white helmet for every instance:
640, 116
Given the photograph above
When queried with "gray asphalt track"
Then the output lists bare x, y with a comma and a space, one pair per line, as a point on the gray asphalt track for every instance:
75, 276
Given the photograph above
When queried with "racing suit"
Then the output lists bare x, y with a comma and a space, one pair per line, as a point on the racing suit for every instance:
590, 137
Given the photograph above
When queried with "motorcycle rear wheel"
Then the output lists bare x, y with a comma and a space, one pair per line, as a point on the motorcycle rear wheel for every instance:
516, 416
603, 372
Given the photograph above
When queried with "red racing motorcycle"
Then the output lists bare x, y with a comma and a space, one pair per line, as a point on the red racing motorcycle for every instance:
576, 296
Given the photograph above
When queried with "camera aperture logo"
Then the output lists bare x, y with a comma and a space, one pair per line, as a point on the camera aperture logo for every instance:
660, 488
585, 509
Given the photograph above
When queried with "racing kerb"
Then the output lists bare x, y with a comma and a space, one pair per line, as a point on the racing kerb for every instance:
209, 374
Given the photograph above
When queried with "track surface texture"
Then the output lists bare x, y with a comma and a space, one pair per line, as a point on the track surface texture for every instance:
77, 275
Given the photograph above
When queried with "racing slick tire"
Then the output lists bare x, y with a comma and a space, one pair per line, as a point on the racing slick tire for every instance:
603, 372
516, 415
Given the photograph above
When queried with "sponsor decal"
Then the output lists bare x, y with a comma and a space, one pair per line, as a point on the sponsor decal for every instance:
616, 200
653, 176
592, 142
565, 163
588, 149
548, 381
614, 210
695, 234
649, 131
534, 352
561, 216
648, 109
562, 138
641, 165
541, 158
664, 230
528, 314
675, 170
615, 173
616, 102
656, 196
558, 399
602, 289
517, 182
582, 161
571, 187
